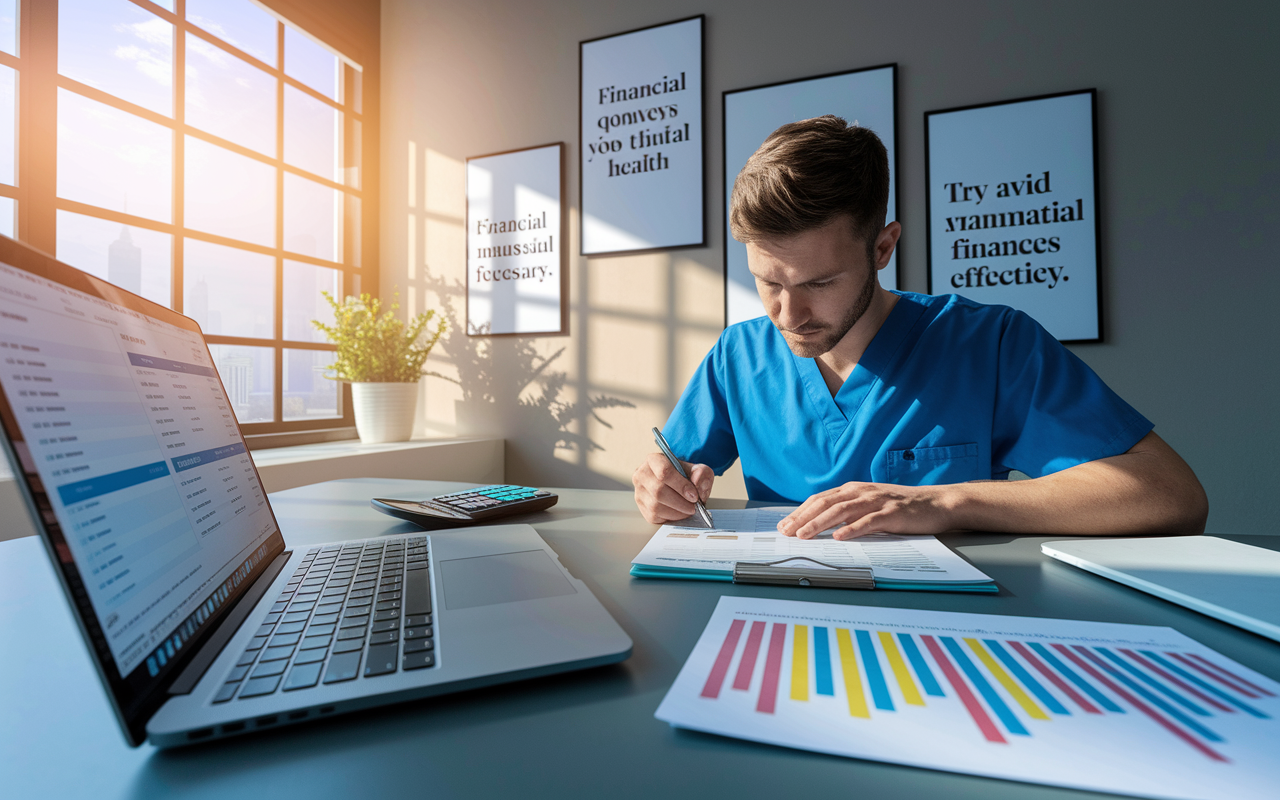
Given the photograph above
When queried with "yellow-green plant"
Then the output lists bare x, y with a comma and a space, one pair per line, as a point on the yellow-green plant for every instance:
373, 345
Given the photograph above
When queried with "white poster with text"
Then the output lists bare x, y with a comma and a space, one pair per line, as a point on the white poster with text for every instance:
515, 247
641, 136
1012, 205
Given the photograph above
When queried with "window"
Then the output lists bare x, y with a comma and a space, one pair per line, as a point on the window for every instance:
201, 153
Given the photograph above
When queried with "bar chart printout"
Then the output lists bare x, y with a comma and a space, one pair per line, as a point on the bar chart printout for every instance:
1131, 709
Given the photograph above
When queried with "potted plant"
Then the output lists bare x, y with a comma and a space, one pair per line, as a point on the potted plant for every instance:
381, 357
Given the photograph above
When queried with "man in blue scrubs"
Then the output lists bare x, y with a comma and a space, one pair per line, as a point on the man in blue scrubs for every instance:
894, 411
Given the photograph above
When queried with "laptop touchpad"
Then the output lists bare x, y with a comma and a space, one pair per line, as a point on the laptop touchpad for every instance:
504, 578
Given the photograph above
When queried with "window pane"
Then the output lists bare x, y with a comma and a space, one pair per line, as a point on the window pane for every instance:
311, 134
312, 218
8, 216
307, 393
8, 80
228, 98
136, 259
238, 22
229, 292
119, 48
113, 159
9, 26
303, 302
228, 194
307, 62
248, 373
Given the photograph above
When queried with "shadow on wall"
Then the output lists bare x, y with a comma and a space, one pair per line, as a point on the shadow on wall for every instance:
508, 388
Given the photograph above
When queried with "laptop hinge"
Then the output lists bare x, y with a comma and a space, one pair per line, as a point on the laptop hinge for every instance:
195, 669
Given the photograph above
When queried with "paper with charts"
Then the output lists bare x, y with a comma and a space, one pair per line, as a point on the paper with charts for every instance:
752, 535
1131, 709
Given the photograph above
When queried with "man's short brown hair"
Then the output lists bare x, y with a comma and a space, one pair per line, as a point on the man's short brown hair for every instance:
806, 174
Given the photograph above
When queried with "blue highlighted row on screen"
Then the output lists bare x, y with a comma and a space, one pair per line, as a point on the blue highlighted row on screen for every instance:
193, 460
105, 484
168, 365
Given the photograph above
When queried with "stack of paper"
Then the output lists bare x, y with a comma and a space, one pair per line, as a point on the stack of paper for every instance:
751, 535
1093, 705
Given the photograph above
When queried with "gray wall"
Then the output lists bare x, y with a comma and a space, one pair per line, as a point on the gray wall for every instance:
1190, 164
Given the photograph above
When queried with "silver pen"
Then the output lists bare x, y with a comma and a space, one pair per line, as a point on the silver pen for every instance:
703, 513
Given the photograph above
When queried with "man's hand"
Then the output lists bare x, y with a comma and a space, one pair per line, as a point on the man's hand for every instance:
1147, 490
856, 509
664, 496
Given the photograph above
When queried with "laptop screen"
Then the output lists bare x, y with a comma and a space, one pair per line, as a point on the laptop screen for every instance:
123, 432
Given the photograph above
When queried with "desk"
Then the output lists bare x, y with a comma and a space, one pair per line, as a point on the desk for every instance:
584, 734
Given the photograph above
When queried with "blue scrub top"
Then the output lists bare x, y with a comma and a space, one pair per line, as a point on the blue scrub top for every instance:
948, 390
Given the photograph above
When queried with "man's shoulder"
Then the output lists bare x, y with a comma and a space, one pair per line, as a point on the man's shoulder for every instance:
753, 334
952, 313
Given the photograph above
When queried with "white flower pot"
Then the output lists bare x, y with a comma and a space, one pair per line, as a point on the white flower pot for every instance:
384, 411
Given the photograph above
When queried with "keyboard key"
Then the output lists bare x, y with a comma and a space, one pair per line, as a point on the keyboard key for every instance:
381, 660
297, 616
417, 660
277, 653
289, 627
256, 643
282, 639
351, 633
355, 613
255, 687
391, 613
265, 630
417, 592
360, 602
237, 673
386, 604
342, 667
418, 619
384, 596
312, 642
355, 622
419, 645
361, 593
311, 656
324, 619
269, 668
386, 625
417, 632
227, 691
303, 676
349, 645
386, 637
271, 619
247, 658
320, 630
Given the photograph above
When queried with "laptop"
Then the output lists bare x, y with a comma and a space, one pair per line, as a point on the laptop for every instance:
201, 621
1234, 582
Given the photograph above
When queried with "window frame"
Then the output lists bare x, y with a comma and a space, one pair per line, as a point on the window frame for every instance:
37, 203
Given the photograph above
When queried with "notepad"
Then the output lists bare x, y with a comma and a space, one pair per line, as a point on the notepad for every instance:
750, 537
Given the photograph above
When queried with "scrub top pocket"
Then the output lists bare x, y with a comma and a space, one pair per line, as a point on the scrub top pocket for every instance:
930, 466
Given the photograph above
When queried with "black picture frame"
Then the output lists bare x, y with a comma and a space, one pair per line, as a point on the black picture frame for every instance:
702, 148
1094, 187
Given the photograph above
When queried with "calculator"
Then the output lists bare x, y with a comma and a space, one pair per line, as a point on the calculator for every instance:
469, 507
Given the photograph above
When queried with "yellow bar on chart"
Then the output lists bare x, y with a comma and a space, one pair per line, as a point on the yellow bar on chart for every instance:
909, 691
800, 663
852, 679
1022, 698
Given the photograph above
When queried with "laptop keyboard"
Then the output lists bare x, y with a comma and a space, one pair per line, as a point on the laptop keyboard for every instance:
356, 609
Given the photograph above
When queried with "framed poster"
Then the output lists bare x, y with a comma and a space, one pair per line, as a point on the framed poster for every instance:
516, 274
642, 149
1012, 198
865, 96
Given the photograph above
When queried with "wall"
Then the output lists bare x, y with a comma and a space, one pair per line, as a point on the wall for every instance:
1190, 160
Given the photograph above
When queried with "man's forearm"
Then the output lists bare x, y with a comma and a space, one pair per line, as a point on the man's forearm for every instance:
1148, 490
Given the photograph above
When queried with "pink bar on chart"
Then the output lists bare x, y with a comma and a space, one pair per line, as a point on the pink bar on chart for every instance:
772, 668
747, 666
721, 668
1141, 706
1230, 674
989, 730
1176, 681
1213, 675
1044, 670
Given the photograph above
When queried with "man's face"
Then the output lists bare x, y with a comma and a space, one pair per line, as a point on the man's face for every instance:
815, 285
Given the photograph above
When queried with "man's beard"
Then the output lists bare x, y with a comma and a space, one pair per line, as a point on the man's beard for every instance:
834, 333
